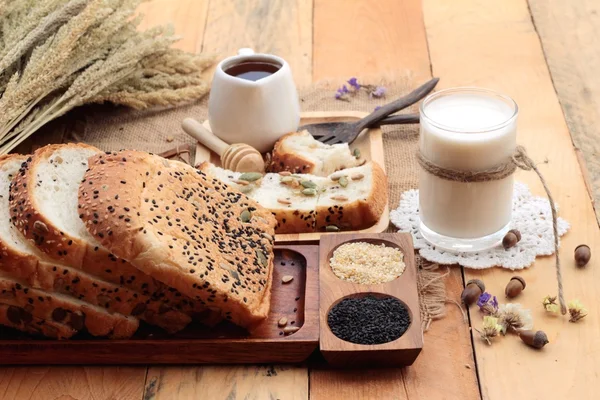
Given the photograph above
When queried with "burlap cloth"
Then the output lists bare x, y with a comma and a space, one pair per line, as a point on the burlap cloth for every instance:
156, 131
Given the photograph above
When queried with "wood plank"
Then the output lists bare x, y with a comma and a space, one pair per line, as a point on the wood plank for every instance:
81, 383
228, 382
369, 39
283, 28
569, 32
187, 16
387, 38
446, 367
499, 48
280, 27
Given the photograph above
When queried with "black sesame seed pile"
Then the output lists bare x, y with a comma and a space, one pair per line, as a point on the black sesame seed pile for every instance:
369, 320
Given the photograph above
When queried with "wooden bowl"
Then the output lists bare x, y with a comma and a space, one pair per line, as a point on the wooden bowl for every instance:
340, 353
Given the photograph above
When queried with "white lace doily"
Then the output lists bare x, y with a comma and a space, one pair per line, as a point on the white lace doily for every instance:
531, 215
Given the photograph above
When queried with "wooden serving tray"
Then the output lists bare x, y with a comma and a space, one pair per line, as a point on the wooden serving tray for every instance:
400, 352
224, 344
369, 142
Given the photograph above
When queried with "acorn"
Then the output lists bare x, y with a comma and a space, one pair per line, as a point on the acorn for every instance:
534, 339
511, 238
515, 286
582, 255
472, 291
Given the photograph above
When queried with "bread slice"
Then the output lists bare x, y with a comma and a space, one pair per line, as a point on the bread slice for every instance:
300, 153
293, 211
187, 230
44, 208
351, 199
18, 318
23, 262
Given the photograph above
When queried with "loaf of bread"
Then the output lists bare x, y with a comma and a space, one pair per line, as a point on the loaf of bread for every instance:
24, 269
44, 208
185, 229
350, 199
300, 153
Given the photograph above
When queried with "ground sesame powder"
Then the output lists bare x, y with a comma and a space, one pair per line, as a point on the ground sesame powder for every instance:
367, 263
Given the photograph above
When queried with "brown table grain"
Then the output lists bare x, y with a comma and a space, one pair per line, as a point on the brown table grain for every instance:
465, 42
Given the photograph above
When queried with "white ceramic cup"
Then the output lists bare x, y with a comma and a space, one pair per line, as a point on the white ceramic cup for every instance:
258, 112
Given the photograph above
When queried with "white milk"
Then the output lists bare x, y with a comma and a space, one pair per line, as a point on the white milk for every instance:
471, 130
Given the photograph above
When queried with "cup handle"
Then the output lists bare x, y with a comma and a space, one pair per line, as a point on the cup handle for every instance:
245, 51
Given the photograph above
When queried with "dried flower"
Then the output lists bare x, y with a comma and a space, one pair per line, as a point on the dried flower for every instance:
376, 108
488, 304
514, 316
378, 92
342, 93
354, 83
490, 328
550, 305
576, 310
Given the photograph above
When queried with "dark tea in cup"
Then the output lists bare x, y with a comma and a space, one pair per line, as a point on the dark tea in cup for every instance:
253, 70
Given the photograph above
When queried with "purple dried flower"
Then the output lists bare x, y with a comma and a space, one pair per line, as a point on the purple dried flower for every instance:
340, 94
488, 304
377, 108
354, 83
378, 92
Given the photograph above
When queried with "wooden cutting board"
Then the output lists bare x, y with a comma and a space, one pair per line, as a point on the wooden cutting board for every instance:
298, 301
369, 142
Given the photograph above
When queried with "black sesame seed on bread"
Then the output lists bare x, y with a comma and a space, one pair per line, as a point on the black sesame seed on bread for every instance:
186, 229
18, 318
26, 265
55, 307
350, 199
44, 207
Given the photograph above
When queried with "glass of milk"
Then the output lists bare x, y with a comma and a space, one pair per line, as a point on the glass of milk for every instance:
468, 129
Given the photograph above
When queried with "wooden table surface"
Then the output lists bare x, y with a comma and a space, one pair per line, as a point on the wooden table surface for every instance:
465, 42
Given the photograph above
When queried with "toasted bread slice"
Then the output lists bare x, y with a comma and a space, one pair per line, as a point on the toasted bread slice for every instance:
187, 230
300, 153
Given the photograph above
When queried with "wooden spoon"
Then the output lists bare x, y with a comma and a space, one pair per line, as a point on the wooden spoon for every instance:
238, 157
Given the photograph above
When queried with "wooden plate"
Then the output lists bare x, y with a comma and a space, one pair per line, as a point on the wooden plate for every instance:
370, 144
298, 301
400, 352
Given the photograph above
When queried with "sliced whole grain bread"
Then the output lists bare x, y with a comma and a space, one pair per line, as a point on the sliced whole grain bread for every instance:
56, 307
18, 318
350, 199
28, 266
300, 153
184, 228
43, 201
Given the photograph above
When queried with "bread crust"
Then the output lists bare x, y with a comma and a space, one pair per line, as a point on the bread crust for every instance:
36, 326
358, 214
47, 306
165, 307
284, 159
185, 229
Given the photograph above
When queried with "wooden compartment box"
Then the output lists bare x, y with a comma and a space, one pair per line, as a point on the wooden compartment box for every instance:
340, 353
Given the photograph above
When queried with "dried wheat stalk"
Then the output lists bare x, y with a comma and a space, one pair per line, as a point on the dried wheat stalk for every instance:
59, 54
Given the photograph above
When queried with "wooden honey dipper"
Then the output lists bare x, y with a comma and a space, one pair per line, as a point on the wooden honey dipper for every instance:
238, 157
